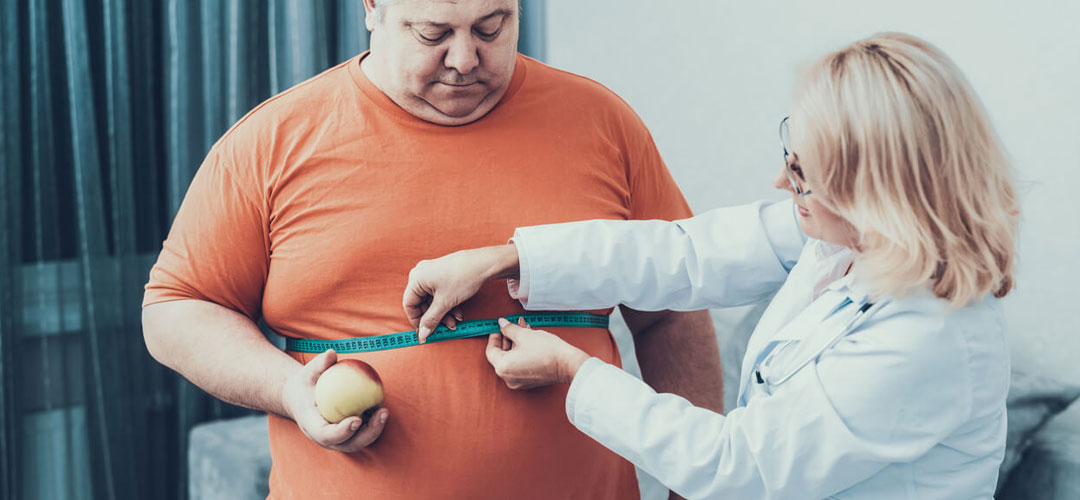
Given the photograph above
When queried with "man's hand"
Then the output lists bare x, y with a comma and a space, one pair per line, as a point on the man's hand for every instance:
298, 399
436, 287
526, 358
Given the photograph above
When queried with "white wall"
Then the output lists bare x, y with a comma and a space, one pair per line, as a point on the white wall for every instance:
712, 79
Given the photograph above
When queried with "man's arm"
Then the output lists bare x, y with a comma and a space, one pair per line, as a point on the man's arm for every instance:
678, 354
220, 350
224, 353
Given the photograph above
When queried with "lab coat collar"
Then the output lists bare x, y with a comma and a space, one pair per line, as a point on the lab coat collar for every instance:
838, 258
850, 285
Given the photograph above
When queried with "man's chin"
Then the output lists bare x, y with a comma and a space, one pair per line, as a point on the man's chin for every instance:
457, 108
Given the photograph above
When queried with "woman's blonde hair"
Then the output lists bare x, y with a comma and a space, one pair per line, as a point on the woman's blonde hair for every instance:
901, 148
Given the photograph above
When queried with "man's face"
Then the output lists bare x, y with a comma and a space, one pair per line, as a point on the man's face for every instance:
447, 62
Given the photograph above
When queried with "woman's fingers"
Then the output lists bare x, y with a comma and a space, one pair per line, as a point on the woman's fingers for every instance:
433, 316
509, 329
453, 318
415, 300
494, 351
500, 341
450, 320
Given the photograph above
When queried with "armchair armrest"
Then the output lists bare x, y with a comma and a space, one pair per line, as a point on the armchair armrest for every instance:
1050, 468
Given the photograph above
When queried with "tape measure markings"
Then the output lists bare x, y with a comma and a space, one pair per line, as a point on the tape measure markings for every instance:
465, 329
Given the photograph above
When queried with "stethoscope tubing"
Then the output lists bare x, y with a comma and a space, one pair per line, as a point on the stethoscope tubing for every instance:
865, 311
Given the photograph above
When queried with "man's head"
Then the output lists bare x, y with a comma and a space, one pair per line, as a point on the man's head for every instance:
448, 62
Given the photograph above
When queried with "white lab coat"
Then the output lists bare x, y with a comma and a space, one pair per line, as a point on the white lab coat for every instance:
910, 403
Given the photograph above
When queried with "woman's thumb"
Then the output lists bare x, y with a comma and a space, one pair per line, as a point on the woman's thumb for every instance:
509, 329
433, 316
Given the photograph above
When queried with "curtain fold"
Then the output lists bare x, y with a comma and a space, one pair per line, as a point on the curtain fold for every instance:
11, 118
107, 108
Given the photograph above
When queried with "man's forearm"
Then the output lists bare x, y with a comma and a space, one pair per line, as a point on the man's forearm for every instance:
678, 354
220, 350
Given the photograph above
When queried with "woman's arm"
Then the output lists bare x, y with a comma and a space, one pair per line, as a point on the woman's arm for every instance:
724, 257
877, 398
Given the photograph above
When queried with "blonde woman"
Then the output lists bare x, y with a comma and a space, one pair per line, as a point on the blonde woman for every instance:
879, 369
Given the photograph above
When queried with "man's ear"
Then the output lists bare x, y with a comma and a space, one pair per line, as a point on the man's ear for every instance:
369, 14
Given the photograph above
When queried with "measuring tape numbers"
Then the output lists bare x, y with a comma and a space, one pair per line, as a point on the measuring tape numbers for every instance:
465, 329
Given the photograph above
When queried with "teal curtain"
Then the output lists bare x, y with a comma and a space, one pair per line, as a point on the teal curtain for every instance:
107, 108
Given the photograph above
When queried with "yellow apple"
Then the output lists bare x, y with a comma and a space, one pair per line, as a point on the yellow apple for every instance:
349, 387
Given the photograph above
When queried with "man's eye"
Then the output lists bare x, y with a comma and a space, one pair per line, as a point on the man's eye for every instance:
486, 34
432, 37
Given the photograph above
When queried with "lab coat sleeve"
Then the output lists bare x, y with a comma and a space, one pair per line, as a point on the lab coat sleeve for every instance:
724, 257
865, 404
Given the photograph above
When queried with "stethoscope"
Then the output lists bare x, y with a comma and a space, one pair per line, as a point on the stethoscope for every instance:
865, 310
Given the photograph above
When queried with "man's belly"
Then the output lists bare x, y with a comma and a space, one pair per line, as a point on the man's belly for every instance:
456, 431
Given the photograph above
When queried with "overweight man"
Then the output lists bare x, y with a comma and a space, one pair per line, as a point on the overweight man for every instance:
311, 210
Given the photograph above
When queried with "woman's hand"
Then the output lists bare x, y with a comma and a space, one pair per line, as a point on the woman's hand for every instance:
298, 398
436, 287
526, 358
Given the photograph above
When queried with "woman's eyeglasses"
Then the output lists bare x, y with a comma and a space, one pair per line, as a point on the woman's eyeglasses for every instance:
791, 168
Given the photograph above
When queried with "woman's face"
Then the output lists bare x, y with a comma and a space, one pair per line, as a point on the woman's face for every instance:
816, 221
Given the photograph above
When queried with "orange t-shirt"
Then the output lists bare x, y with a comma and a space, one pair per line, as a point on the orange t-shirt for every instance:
313, 208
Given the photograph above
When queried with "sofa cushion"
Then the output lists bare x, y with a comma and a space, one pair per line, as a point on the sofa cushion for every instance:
229, 459
1050, 467
1033, 400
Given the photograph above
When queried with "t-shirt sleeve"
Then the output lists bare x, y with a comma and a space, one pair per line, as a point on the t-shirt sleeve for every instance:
653, 192
218, 247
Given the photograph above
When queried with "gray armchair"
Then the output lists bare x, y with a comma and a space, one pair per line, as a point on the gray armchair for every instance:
1042, 460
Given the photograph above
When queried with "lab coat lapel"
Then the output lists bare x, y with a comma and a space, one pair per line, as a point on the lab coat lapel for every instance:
806, 325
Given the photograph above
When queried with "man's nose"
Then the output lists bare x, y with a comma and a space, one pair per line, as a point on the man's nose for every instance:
462, 55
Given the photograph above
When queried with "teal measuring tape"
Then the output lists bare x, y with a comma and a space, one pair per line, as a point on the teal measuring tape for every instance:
465, 329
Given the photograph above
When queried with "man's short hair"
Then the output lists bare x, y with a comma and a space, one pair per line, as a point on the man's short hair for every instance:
381, 4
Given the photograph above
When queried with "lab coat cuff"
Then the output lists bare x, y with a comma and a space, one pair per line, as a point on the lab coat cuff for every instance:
590, 396
526, 287
519, 287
